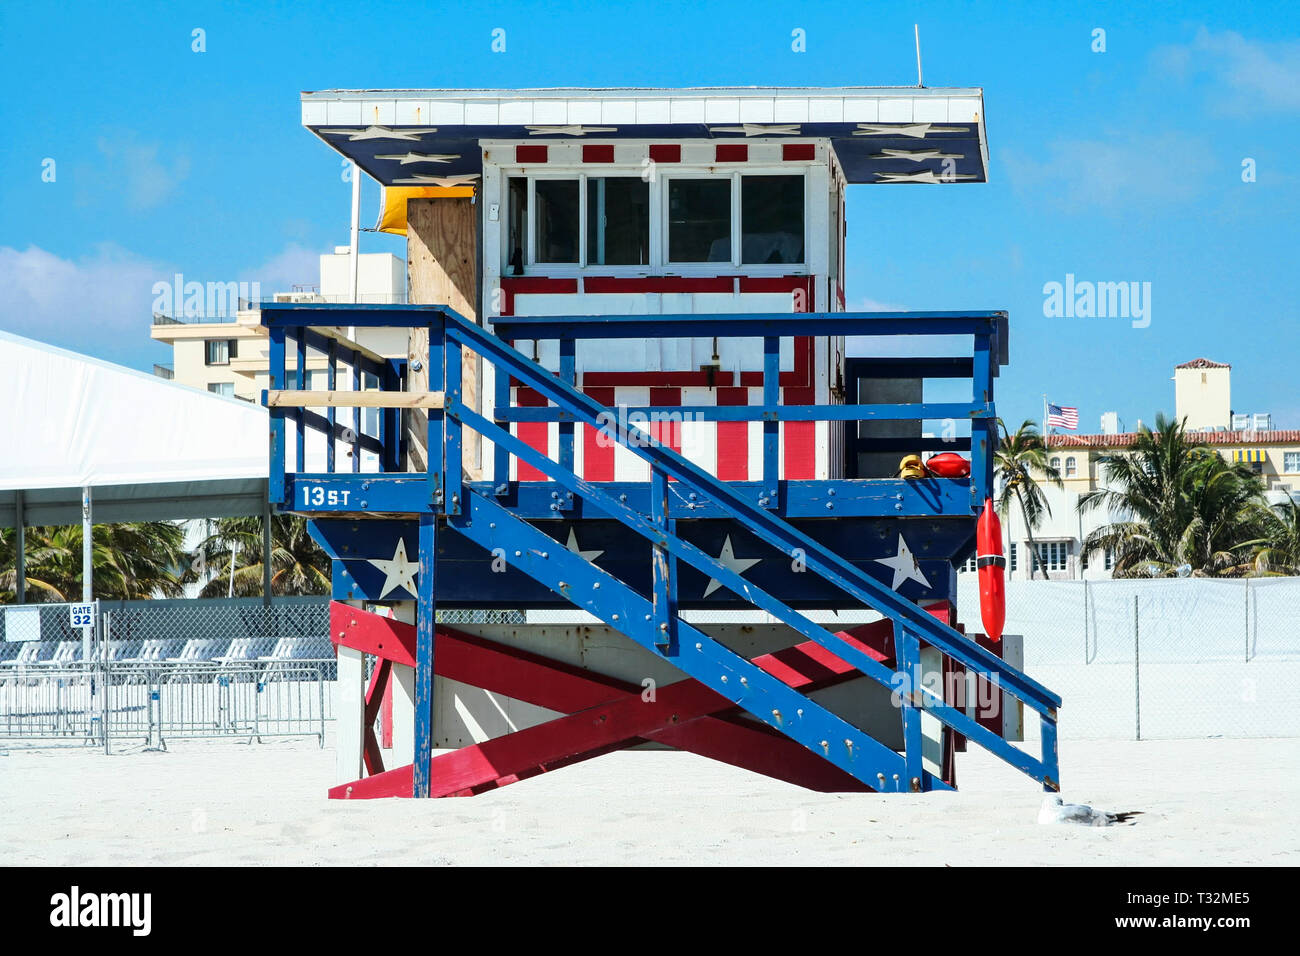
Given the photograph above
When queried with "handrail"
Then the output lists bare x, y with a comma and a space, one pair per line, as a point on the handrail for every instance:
449, 333
912, 621
834, 568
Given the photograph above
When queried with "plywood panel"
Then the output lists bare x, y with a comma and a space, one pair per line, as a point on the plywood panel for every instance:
442, 236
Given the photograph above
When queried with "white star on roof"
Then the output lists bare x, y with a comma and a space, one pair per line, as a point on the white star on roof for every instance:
399, 572
914, 130
408, 158
905, 566
760, 129
915, 155
379, 132
923, 176
575, 130
428, 179
585, 555
729, 561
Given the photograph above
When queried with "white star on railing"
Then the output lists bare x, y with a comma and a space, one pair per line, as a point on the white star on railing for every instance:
399, 572
585, 555
729, 561
905, 566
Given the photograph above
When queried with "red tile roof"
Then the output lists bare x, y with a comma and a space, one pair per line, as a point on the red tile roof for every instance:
1202, 363
1123, 440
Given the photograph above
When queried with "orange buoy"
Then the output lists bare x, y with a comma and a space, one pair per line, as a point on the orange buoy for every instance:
991, 566
948, 464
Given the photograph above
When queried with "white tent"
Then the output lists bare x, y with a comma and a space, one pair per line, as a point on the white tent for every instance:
79, 430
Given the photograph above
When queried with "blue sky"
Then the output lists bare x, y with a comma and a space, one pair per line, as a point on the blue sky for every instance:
1123, 165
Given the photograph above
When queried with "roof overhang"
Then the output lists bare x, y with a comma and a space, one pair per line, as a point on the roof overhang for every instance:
433, 137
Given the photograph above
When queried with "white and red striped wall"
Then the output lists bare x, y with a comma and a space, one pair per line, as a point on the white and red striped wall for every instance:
700, 371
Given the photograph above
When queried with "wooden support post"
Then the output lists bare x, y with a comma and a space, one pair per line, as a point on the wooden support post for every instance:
441, 269
403, 685
350, 707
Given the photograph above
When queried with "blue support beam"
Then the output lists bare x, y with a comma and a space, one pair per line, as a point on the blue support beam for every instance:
425, 626
771, 425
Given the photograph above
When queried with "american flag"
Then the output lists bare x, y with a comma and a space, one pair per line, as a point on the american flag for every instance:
1062, 416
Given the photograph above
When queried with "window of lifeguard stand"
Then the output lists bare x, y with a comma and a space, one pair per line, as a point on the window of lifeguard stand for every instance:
701, 219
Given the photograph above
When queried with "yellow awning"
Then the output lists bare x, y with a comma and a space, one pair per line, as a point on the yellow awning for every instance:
393, 218
1247, 455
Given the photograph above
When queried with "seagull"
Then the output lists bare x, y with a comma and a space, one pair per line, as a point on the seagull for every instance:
1054, 811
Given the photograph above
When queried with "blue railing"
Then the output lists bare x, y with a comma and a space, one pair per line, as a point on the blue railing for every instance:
985, 331
447, 493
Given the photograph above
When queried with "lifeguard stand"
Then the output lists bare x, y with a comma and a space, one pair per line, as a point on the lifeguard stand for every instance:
589, 488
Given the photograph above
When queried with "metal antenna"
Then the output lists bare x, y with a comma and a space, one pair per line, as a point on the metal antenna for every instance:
916, 29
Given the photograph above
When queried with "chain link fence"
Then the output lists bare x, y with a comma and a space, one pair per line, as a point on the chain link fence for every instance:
1160, 658
150, 671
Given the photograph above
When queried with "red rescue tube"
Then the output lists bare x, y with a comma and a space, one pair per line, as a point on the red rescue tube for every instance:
991, 567
948, 464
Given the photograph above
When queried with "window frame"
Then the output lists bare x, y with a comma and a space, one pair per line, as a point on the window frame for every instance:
231, 352
659, 263
1291, 462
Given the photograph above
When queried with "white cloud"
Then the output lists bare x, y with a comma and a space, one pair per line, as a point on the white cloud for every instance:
293, 265
98, 304
101, 304
1246, 77
135, 165
1125, 171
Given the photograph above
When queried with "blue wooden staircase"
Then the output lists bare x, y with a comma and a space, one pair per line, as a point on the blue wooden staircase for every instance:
665, 520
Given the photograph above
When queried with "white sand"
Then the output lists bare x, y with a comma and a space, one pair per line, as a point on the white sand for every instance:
1206, 802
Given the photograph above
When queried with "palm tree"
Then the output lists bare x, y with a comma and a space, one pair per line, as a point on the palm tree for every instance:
1280, 554
1183, 506
130, 561
298, 565
1020, 456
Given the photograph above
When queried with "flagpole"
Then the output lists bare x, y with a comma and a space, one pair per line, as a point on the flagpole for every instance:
1044, 415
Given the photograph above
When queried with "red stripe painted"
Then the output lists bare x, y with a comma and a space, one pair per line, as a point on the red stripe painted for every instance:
659, 284
666, 433
530, 154
733, 439
534, 434
593, 153
732, 153
800, 437
679, 379
792, 151
597, 454
532, 285
666, 153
